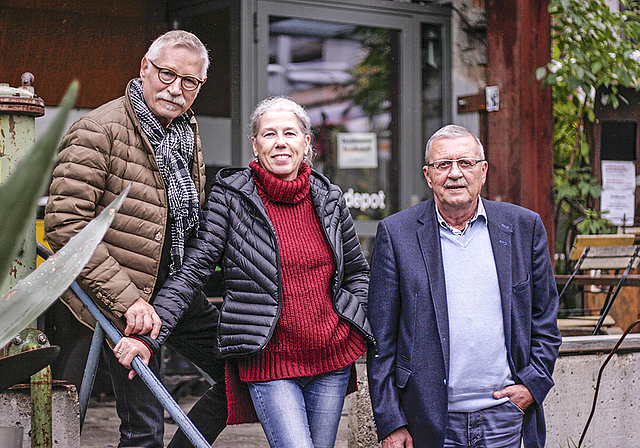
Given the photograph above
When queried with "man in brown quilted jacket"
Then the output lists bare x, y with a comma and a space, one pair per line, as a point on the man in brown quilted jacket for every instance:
148, 137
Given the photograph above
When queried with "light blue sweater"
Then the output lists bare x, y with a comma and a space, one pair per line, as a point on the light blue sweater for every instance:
478, 354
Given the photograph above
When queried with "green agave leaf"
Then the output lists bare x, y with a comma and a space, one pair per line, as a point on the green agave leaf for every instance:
20, 192
36, 292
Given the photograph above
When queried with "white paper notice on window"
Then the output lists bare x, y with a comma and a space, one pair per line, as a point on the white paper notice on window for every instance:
357, 150
618, 175
620, 204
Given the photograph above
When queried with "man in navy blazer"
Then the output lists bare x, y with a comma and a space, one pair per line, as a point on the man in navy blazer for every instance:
463, 305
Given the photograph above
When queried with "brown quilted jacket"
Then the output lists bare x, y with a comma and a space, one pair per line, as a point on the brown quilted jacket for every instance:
100, 155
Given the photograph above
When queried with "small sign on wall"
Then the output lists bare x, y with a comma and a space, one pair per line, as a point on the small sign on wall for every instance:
618, 175
620, 205
493, 98
357, 150
618, 191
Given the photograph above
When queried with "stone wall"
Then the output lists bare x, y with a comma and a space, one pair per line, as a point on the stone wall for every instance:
15, 410
567, 407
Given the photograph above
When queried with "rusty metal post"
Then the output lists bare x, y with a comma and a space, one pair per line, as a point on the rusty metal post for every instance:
18, 109
41, 405
30, 340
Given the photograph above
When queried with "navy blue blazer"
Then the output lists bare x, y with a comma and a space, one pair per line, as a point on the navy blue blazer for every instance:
408, 314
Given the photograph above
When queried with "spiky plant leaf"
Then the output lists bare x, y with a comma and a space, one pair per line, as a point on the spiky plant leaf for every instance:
35, 293
20, 192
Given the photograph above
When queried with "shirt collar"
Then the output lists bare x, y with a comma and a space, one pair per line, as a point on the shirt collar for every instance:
480, 211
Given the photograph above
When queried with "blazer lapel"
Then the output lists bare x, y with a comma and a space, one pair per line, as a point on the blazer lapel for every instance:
500, 232
429, 239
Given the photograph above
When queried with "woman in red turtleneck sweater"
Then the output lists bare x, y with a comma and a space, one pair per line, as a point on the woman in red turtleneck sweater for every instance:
299, 379
293, 319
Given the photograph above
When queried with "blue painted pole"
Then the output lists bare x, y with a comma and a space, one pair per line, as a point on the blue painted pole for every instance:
154, 384
161, 393
90, 370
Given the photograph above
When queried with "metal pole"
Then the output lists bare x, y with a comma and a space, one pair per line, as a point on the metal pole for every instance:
19, 107
156, 387
146, 374
91, 367
41, 409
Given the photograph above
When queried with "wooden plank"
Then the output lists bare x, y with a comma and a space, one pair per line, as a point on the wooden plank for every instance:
610, 257
472, 103
585, 321
611, 251
617, 239
605, 263
602, 280
582, 241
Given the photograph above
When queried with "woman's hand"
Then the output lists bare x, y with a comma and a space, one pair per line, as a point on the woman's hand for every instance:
127, 349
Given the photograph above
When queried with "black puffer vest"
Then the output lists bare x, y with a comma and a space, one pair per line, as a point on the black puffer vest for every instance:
236, 233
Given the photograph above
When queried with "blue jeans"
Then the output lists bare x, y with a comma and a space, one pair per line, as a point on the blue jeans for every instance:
495, 427
142, 415
301, 412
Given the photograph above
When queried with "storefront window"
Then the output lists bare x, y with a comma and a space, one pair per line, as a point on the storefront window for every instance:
346, 77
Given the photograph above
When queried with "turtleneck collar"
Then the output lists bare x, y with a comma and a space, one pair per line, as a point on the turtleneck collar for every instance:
278, 190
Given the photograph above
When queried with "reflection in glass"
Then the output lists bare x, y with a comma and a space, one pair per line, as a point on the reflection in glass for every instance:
346, 77
432, 82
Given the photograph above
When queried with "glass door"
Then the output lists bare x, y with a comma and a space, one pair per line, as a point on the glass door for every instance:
346, 76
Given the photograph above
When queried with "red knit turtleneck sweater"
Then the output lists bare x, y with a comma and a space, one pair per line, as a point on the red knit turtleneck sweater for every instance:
309, 337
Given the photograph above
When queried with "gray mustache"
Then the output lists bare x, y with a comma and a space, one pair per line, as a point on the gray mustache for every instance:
179, 100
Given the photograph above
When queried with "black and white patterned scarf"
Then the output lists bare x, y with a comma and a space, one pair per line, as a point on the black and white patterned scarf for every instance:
173, 147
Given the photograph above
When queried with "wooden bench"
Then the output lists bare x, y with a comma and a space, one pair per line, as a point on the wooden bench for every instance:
583, 241
592, 253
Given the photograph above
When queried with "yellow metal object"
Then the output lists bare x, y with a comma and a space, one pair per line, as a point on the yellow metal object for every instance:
41, 238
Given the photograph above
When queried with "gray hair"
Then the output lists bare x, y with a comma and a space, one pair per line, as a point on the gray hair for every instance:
286, 104
451, 131
179, 38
